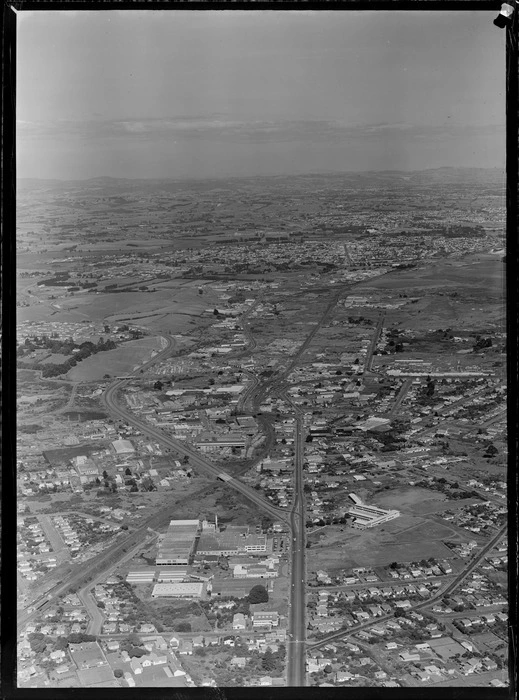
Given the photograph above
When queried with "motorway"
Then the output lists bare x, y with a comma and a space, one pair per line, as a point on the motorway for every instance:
295, 517
196, 460
400, 397
373, 344
102, 561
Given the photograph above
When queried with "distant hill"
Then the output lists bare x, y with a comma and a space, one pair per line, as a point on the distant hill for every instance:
437, 176
460, 176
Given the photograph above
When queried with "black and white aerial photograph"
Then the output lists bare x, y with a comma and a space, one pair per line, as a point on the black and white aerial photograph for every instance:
261, 352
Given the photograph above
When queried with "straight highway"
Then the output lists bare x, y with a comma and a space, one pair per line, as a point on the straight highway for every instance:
296, 652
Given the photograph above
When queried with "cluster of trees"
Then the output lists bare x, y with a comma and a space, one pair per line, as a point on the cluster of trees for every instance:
40, 642
63, 347
447, 488
357, 320
272, 662
60, 279
482, 343
133, 645
258, 594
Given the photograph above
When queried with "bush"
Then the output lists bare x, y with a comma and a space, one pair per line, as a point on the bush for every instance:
183, 627
137, 651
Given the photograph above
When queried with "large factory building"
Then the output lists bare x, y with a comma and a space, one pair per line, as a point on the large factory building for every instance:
177, 546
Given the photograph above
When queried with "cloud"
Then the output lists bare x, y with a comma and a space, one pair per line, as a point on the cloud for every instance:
220, 128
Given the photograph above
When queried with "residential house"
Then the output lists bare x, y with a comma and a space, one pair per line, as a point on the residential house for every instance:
239, 621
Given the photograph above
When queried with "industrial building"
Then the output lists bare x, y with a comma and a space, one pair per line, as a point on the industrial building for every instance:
173, 574
177, 590
149, 574
211, 441
238, 588
232, 541
177, 546
141, 574
255, 570
122, 447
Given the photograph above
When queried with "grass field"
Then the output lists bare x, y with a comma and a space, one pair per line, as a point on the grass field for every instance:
405, 499
485, 273
114, 362
408, 538
428, 507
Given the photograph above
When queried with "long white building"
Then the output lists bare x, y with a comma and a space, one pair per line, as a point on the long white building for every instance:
371, 516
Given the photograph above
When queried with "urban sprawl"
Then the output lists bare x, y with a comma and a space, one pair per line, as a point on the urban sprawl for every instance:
261, 433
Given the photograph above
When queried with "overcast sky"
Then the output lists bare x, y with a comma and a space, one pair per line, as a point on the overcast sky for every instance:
198, 94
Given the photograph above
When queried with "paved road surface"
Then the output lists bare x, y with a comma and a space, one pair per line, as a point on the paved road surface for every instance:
296, 653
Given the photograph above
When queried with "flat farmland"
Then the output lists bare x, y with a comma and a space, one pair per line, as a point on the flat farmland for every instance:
485, 273
101, 306
114, 362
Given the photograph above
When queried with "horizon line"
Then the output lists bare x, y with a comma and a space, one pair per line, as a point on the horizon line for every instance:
278, 175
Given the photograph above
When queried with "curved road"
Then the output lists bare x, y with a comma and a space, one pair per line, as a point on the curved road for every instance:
195, 458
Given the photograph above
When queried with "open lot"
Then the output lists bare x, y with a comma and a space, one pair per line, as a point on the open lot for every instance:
487, 273
405, 539
405, 500
114, 362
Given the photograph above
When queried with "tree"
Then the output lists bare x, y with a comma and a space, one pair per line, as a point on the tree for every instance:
61, 644
118, 672
38, 645
137, 652
183, 627
105, 474
491, 451
268, 662
216, 312
258, 594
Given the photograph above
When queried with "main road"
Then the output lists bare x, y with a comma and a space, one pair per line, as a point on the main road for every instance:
296, 656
